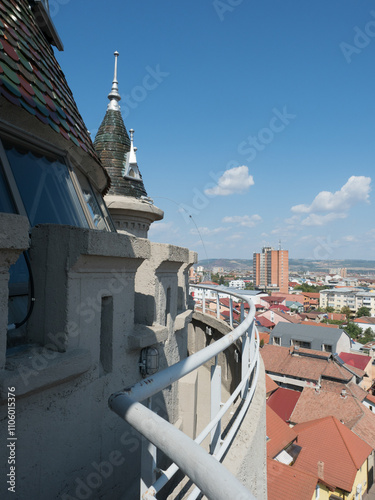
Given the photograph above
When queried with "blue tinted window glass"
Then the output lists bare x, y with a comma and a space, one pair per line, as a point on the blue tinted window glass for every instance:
6, 204
46, 189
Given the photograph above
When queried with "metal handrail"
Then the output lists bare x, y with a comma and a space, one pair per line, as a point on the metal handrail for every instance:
186, 453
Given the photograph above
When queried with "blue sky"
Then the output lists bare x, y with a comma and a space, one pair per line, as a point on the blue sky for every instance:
255, 117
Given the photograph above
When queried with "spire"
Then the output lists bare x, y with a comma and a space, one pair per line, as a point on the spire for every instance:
131, 165
132, 155
114, 95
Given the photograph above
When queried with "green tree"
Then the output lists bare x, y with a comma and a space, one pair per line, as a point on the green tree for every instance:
366, 336
346, 310
363, 311
249, 286
353, 330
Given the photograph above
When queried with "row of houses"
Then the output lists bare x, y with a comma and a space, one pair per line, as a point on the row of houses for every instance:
320, 414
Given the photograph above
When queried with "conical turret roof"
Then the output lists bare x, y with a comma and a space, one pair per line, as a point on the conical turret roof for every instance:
112, 144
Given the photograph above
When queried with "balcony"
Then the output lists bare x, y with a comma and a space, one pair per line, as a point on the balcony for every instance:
226, 424
105, 304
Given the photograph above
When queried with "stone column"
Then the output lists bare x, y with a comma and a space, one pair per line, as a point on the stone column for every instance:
14, 238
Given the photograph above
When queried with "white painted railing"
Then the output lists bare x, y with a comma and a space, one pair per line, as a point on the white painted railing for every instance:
205, 470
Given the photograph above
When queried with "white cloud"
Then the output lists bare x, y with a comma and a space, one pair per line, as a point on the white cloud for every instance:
356, 190
234, 180
293, 220
205, 231
243, 220
236, 236
349, 238
162, 227
320, 220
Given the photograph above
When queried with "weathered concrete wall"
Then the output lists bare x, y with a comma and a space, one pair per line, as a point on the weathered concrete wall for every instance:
86, 345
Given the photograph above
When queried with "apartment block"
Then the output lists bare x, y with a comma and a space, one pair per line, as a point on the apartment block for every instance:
271, 268
354, 298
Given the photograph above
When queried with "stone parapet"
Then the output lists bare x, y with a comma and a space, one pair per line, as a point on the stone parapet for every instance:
14, 239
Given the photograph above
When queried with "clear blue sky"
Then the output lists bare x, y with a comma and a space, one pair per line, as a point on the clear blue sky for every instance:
257, 118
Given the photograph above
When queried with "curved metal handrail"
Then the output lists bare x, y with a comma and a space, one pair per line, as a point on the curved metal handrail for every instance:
186, 453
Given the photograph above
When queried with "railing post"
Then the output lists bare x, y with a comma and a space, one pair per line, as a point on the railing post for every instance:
148, 462
215, 405
242, 312
217, 305
245, 359
230, 311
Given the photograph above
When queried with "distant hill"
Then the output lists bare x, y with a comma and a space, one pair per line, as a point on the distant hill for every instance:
227, 264
301, 265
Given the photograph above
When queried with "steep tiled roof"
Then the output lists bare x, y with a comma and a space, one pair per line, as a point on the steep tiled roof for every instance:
274, 299
31, 78
264, 336
355, 360
271, 386
112, 144
329, 441
314, 404
329, 402
290, 318
313, 323
287, 483
365, 319
264, 321
279, 434
311, 295
312, 367
370, 398
283, 402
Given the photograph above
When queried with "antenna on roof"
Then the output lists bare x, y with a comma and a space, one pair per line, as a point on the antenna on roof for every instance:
279, 244
114, 95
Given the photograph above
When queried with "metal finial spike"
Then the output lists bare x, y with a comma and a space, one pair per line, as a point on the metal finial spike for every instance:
131, 135
114, 95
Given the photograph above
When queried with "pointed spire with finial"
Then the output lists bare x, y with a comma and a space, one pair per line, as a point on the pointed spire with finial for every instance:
131, 166
114, 95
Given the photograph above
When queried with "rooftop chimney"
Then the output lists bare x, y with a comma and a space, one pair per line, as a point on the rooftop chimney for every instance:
320, 469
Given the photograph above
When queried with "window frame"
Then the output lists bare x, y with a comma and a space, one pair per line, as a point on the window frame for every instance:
19, 137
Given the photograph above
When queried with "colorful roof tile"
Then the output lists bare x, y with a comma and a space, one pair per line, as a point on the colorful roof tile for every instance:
112, 144
31, 78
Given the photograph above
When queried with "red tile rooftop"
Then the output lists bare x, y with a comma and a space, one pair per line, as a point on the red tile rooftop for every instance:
287, 483
312, 367
271, 386
359, 361
283, 402
329, 441
279, 434
365, 319
314, 323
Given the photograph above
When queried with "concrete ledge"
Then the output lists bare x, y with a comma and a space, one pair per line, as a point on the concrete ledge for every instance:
218, 324
14, 232
145, 336
73, 242
182, 320
38, 369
